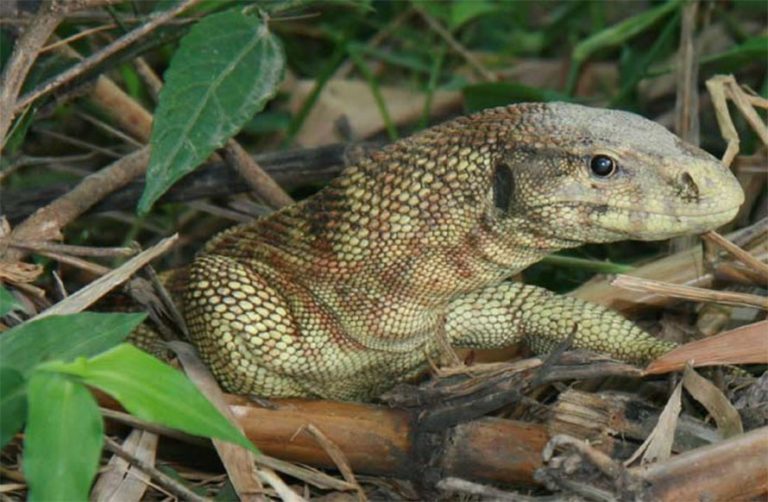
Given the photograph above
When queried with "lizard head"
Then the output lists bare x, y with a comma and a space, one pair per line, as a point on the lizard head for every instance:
595, 175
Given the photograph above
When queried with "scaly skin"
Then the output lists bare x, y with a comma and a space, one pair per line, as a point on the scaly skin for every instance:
343, 295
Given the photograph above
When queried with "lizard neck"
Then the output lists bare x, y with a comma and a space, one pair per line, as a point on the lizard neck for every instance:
487, 253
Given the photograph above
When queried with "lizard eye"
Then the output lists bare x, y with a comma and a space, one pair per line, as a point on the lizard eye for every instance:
602, 166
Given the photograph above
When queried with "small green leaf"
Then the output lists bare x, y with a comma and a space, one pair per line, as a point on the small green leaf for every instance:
752, 49
64, 337
225, 70
13, 404
63, 439
7, 302
620, 32
601, 267
634, 68
463, 11
615, 35
19, 130
153, 391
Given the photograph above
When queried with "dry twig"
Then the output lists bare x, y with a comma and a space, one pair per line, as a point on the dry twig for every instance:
24, 55
731, 469
743, 256
100, 56
175, 487
721, 88
101, 286
476, 65
259, 181
689, 292
239, 462
46, 223
338, 457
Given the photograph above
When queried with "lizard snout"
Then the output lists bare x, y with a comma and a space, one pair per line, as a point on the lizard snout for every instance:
708, 188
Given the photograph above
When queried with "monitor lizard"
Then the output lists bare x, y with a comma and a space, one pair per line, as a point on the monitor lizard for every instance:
344, 294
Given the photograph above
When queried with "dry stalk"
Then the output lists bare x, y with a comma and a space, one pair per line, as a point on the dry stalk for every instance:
53, 247
689, 292
101, 286
476, 65
743, 256
240, 463
261, 182
338, 457
168, 483
100, 56
724, 87
24, 55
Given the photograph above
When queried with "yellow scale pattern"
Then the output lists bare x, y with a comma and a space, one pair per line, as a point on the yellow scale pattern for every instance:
342, 294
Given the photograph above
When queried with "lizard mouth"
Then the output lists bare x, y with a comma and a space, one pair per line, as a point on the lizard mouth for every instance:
597, 208
655, 225
677, 216
601, 223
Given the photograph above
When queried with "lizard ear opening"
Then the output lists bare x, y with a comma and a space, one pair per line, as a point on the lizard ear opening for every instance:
503, 186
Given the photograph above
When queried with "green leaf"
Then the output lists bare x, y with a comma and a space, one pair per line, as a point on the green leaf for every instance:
636, 67
488, 95
153, 391
620, 32
601, 267
751, 50
225, 70
19, 130
63, 337
615, 35
463, 11
13, 404
7, 302
63, 439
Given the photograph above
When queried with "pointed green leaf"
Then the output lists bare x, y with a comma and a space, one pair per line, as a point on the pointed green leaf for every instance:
463, 11
615, 35
752, 49
154, 391
622, 31
13, 404
64, 337
225, 70
7, 302
63, 438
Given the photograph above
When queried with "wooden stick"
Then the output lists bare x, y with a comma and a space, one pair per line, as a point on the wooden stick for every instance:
46, 223
378, 440
732, 469
24, 55
738, 253
259, 181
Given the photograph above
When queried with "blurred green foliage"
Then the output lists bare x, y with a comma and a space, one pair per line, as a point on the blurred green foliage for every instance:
604, 53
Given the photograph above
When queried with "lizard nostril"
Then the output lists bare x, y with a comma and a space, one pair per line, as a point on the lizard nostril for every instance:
687, 189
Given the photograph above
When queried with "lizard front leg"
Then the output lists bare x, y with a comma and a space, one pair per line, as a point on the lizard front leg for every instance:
264, 335
508, 313
242, 328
